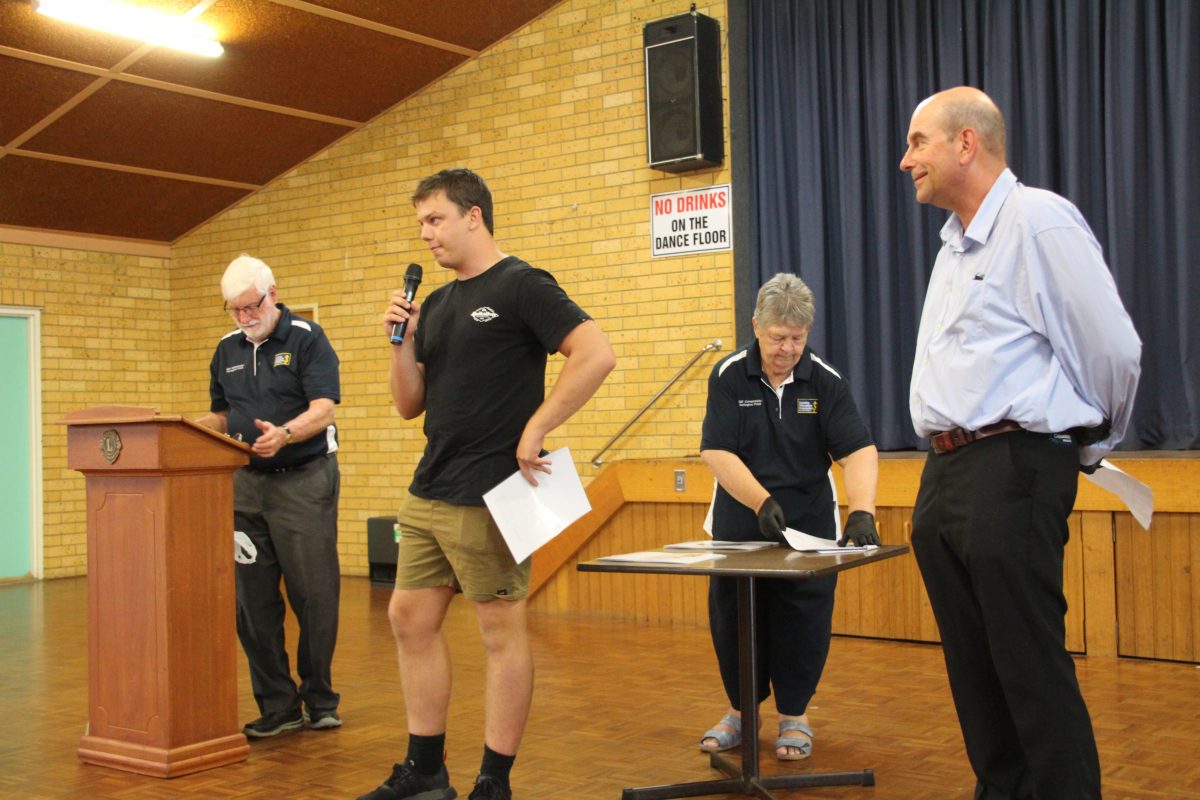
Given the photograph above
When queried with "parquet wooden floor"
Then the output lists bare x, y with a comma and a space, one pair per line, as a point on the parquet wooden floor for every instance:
617, 704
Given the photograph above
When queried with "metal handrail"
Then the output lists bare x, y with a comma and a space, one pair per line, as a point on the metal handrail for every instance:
715, 344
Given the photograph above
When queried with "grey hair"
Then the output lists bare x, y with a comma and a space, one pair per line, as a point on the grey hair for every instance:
242, 273
784, 300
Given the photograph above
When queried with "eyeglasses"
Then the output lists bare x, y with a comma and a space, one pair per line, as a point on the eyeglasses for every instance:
250, 309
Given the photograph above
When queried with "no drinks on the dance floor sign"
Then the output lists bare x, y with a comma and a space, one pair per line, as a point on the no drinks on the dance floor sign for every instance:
692, 221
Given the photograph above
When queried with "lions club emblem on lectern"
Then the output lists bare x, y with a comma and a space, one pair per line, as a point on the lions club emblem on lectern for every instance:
110, 445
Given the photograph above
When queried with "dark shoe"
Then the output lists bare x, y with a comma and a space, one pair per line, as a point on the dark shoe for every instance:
274, 724
488, 788
322, 720
406, 783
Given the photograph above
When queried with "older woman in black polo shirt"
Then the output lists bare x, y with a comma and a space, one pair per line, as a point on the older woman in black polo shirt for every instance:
777, 417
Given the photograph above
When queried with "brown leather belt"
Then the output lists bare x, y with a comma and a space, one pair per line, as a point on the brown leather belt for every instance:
951, 440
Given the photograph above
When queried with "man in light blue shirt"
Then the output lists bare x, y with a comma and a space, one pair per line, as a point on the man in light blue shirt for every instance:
1025, 371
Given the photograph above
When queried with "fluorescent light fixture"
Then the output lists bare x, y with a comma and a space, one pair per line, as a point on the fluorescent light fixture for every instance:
136, 22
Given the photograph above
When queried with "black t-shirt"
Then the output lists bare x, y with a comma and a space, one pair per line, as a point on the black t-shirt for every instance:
483, 343
787, 446
275, 382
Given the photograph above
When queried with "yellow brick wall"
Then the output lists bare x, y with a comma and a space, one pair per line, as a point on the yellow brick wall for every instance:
105, 336
554, 119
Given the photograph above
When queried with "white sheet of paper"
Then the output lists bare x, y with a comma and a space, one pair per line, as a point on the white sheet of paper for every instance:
659, 557
710, 544
1137, 496
815, 544
529, 516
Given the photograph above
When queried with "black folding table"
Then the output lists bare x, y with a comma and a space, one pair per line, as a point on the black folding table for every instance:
748, 567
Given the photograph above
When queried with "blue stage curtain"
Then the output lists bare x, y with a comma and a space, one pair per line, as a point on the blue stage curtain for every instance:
1100, 97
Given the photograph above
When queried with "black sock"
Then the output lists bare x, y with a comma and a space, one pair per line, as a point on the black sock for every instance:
496, 765
426, 752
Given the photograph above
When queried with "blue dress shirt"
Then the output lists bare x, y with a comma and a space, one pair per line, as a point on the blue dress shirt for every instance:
1022, 321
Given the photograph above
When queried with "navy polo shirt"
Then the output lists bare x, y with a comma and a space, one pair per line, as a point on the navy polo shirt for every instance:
276, 381
787, 445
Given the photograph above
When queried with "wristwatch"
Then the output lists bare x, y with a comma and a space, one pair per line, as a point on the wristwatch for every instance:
288, 431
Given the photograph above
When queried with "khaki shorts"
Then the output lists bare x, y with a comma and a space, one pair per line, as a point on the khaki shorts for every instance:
444, 544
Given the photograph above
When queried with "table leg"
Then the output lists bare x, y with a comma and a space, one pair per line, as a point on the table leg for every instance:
744, 778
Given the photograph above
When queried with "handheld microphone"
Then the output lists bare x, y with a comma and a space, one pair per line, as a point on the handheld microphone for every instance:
412, 279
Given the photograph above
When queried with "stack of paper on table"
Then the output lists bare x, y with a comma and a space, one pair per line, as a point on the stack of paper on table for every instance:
659, 557
716, 544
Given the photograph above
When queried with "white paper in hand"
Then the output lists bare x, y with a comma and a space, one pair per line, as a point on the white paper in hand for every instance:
808, 543
1137, 496
529, 516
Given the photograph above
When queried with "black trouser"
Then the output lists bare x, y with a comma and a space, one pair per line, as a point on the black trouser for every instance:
291, 521
989, 529
793, 626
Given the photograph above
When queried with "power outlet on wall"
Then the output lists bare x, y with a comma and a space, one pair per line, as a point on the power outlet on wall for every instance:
680, 480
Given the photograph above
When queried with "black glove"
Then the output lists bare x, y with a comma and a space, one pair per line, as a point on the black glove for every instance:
1089, 469
860, 529
770, 520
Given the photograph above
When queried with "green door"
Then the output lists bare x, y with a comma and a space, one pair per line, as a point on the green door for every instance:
16, 465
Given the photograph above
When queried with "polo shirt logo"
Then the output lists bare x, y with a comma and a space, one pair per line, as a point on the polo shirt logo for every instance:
234, 368
749, 403
484, 314
806, 405
283, 359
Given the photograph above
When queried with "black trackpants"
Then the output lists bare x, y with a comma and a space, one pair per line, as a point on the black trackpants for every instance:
989, 529
291, 521
795, 621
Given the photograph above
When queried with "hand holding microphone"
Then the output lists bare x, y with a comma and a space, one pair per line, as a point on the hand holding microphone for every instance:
397, 315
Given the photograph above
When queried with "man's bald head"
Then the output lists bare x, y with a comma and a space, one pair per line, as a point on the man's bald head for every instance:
968, 107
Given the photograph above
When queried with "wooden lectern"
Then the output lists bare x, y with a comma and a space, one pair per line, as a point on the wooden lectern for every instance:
162, 644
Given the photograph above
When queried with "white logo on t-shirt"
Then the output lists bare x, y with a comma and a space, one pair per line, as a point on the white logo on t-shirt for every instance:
484, 314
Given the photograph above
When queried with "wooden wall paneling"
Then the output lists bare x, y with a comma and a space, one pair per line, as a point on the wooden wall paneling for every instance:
853, 602
1156, 601
676, 590
1161, 610
635, 535
627, 590
1099, 584
1073, 585
900, 580
645, 585
1179, 604
693, 593
1133, 595
919, 622
668, 517
603, 594
1194, 575
604, 494
639, 608
1136, 596
886, 600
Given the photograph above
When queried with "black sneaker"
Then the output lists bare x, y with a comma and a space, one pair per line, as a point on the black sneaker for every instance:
322, 720
274, 724
488, 788
406, 783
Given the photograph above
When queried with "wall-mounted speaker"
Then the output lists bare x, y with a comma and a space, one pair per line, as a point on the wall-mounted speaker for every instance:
684, 126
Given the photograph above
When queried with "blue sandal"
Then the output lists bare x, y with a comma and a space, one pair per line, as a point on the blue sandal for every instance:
726, 740
803, 745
